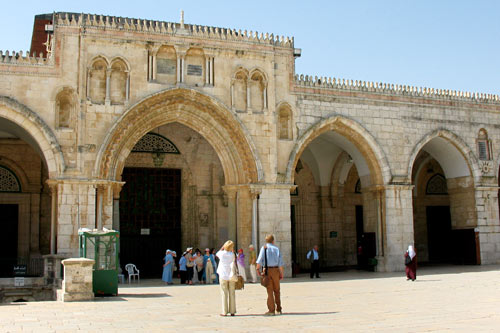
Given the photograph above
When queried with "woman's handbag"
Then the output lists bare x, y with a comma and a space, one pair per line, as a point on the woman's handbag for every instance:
237, 278
264, 279
407, 260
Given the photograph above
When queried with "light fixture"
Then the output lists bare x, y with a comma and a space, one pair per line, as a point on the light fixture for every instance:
158, 154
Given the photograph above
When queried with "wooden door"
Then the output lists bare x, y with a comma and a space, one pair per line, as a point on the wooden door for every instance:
150, 218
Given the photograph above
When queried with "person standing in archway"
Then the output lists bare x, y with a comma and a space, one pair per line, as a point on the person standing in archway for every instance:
313, 257
411, 263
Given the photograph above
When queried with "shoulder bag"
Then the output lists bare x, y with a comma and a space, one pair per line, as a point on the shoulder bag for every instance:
237, 278
407, 260
264, 279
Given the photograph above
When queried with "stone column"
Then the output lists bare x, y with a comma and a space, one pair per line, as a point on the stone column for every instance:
35, 224
231, 193
488, 227
127, 87
395, 226
117, 187
53, 214
100, 194
77, 283
274, 218
255, 192
107, 100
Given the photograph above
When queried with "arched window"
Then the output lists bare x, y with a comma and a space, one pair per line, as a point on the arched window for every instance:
65, 106
118, 82
239, 91
436, 185
8, 181
97, 81
285, 123
357, 187
257, 91
166, 65
483, 145
195, 60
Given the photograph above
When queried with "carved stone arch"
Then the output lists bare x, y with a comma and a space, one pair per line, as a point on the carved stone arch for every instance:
204, 114
65, 104
119, 81
357, 135
461, 149
285, 121
239, 90
97, 74
38, 134
257, 83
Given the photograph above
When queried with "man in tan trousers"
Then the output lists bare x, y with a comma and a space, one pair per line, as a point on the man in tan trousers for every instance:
270, 257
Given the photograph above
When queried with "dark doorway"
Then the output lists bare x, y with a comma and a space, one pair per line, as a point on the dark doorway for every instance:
362, 260
150, 218
8, 239
294, 233
439, 233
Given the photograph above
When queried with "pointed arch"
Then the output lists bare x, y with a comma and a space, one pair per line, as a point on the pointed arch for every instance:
353, 133
38, 134
462, 157
202, 113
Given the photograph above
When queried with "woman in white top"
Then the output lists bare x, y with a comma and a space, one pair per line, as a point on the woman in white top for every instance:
226, 258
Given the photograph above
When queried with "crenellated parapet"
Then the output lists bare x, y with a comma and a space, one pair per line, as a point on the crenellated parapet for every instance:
329, 83
24, 59
169, 28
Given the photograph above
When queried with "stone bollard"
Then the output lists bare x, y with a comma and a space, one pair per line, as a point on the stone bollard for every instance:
77, 283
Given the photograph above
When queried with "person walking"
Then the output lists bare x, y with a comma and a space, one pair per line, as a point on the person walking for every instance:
226, 258
252, 260
270, 256
168, 267
411, 263
241, 264
174, 267
313, 257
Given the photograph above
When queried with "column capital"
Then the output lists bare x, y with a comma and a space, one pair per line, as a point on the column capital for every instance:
153, 47
181, 50
52, 183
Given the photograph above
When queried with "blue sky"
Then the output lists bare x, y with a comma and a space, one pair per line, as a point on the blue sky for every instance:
439, 44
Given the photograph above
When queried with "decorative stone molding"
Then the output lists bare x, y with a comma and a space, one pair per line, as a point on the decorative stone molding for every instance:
169, 28
393, 89
486, 168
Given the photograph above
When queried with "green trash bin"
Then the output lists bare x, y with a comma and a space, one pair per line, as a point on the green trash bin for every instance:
103, 247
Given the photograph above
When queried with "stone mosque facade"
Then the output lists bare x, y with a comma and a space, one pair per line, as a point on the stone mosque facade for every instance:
182, 135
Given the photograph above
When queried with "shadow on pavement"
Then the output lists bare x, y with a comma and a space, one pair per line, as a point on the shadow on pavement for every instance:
123, 297
287, 314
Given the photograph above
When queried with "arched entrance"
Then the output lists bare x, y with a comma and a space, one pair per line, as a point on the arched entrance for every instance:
326, 164
444, 200
196, 208
29, 156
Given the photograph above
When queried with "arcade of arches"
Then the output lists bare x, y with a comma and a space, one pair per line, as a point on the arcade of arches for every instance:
180, 135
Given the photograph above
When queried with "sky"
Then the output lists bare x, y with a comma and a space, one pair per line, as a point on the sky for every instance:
441, 44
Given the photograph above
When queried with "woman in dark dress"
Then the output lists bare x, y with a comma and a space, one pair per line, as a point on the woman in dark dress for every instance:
411, 267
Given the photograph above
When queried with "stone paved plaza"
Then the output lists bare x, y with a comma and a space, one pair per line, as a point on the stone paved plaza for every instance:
443, 299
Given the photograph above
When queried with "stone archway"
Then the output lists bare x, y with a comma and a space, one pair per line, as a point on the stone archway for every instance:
444, 172
364, 142
37, 133
193, 109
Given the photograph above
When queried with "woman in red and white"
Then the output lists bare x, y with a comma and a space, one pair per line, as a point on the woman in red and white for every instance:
411, 268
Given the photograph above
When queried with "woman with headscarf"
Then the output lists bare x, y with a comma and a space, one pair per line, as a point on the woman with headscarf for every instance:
215, 264
226, 258
411, 264
209, 267
241, 264
167, 267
